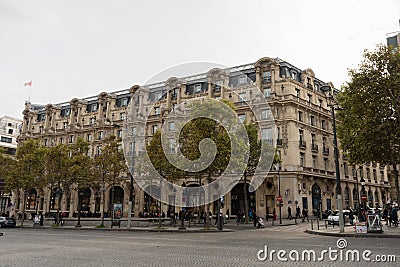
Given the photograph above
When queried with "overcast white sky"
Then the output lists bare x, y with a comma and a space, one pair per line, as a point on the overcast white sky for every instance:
80, 48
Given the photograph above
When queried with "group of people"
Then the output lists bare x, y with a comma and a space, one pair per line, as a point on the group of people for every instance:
391, 215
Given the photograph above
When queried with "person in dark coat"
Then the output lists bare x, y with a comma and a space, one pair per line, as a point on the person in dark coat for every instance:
255, 219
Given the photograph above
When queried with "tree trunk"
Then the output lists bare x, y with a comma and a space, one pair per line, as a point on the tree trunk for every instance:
58, 208
396, 181
246, 205
207, 216
23, 209
102, 207
159, 214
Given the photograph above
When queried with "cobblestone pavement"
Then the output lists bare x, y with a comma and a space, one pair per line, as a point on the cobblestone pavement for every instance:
68, 247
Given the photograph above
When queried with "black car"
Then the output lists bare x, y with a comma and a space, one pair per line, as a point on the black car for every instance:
7, 222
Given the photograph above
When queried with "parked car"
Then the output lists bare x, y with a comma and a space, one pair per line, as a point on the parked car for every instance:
334, 217
7, 222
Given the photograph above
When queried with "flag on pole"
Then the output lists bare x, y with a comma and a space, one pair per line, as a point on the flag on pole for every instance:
28, 83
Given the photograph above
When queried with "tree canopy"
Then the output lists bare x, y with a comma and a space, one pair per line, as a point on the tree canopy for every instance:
370, 110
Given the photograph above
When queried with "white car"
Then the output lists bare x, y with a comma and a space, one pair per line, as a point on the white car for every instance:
334, 217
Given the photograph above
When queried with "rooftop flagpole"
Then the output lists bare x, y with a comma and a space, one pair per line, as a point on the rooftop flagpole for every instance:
30, 89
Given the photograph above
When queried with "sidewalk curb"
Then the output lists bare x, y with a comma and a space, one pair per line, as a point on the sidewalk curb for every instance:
370, 235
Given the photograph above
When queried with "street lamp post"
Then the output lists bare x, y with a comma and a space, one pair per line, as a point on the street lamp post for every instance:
131, 185
358, 192
327, 90
280, 196
363, 197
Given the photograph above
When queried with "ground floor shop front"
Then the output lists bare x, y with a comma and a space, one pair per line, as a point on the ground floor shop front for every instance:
306, 191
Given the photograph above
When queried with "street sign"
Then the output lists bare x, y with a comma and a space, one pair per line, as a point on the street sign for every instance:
363, 198
279, 198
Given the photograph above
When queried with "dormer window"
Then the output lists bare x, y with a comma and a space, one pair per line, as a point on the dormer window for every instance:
124, 102
242, 80
197, 88
218, 85
266, 76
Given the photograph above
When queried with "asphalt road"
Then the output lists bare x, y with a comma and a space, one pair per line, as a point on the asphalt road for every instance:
58, 247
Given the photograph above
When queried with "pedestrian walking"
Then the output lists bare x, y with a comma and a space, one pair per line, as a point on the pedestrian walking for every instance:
305, 215
255, 219
289, 212
351, 217
298, 212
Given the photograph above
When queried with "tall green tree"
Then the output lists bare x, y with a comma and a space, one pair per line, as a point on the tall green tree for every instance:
108, 167
28, 171
57, 164
201, 128
6, 171
81, 168
370, 111
160, 162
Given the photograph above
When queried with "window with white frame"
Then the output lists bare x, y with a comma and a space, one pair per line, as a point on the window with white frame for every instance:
267, 92
157, 110
71, 138
266, 114
266, 76
266, 135
154, 128
89, 137
133, 130
122, 116
101, 135
171, 126
302, 159
65, 125
197, 88
242, 79
124, 102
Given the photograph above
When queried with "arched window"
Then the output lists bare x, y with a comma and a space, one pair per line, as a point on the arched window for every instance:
316, 199
31, 200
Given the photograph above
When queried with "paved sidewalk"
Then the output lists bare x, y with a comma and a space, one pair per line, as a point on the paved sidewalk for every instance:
349, 231
229, 226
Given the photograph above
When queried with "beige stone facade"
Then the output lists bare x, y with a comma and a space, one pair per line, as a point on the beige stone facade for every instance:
303, 137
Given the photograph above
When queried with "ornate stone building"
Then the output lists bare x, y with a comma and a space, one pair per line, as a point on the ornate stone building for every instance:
9, 130
303, 137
